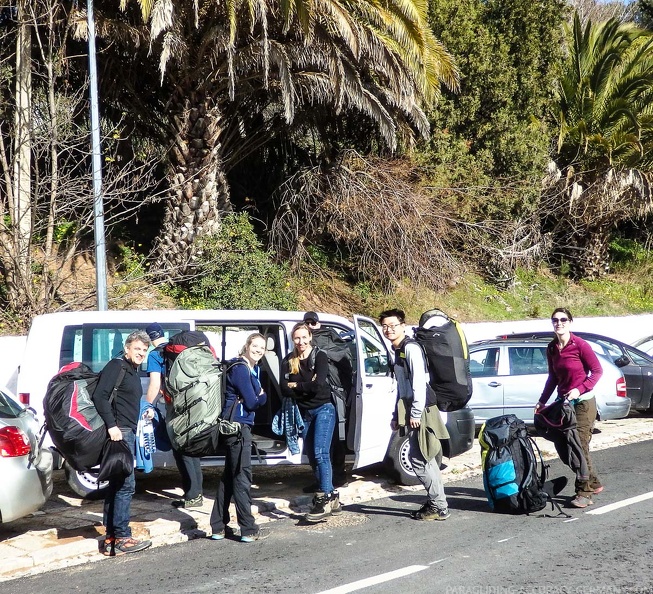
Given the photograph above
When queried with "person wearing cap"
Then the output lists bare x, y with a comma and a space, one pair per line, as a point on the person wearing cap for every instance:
189, 468
339, 355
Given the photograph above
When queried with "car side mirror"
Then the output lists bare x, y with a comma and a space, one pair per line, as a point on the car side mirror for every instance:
622, 361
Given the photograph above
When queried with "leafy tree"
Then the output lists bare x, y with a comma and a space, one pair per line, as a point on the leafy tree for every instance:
490, 140
604, 150
233, 74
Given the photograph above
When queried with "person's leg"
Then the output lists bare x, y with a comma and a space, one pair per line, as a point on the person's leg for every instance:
428, 473
117, 504
220, 511
242, 482
585, 417
190, 470
325, 420
307, 437
117, 511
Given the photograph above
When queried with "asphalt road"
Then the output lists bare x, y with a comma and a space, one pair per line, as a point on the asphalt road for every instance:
376, 547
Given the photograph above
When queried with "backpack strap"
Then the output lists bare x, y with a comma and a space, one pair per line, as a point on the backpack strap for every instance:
121, 376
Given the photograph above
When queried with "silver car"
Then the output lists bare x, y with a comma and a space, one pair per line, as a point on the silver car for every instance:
25, 467
509, 374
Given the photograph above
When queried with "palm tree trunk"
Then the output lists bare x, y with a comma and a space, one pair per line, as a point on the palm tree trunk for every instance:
198, 189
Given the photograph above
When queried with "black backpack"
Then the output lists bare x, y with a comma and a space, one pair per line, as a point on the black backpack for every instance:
447, 358
510, 469
75, 426
341, 372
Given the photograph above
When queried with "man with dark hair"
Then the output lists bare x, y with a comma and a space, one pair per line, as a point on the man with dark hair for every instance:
413, 410
121, 418
190, 468
341, 373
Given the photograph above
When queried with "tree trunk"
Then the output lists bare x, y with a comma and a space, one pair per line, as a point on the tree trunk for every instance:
198, 193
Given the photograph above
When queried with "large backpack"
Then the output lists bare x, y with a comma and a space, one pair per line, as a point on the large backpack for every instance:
341, 372
194, 393
74, 424
510, 474
447, 357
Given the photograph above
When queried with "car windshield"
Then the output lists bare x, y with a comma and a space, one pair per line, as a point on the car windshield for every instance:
8, 408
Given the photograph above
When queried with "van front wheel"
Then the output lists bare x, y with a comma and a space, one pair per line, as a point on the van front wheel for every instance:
85, 484
397, 462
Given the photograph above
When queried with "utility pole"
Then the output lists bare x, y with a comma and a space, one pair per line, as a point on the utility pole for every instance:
98, 201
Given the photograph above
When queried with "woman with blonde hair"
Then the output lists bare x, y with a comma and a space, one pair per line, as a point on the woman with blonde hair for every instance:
243, 395
304, 375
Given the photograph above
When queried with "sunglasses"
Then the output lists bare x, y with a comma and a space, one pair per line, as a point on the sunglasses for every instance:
559, 320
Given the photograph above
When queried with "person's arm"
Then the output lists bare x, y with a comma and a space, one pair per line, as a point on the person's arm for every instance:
419, 378
241, 379
593, 366
154, 387
286, 390
105, 387
550, 385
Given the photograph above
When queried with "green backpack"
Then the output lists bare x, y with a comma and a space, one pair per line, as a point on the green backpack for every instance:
194, 401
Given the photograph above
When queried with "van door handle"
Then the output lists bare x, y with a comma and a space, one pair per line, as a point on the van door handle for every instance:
369, 385
494, 384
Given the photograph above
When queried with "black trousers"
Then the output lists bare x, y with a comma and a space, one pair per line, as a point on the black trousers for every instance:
190, 470
236, 484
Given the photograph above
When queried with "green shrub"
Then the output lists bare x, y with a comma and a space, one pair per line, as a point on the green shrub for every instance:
235, 272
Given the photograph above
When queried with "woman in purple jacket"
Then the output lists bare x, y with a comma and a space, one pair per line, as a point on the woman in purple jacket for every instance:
574, 369
243, 395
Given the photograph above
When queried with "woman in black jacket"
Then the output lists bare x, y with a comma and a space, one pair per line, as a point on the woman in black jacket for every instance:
304, 375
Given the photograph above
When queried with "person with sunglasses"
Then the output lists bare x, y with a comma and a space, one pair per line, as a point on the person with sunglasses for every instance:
417, 412
574, 369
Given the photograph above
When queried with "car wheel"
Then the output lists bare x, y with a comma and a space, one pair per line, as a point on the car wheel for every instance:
397, 462
85, 484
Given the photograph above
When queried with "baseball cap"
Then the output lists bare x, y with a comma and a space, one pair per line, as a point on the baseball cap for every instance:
154, 331
311, 316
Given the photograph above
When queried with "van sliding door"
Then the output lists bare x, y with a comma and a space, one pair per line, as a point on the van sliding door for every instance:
376, 394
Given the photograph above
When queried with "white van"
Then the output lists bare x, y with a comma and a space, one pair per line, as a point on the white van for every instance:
94, 338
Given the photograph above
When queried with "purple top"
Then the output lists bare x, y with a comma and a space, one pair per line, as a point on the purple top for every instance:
575, 366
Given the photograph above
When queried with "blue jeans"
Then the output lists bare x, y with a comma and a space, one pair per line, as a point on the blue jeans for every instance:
318, 430
118, 500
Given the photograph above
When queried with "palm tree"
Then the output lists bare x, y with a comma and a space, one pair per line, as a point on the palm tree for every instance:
604, 151
235, 72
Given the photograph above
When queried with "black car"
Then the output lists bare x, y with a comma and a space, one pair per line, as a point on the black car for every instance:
636, 365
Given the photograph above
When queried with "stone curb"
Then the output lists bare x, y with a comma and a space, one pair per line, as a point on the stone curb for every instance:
40, 551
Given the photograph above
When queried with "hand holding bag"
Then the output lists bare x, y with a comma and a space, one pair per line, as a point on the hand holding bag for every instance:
117, 461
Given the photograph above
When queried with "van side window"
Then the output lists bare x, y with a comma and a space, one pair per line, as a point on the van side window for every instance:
71, 345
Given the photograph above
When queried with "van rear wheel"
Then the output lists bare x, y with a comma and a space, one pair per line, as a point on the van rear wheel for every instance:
85, 484
397, 462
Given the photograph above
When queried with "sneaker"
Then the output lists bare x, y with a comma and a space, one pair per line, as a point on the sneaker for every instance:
119, 546
321, 508
186, 503
430, 512
228, 531
334, 499
598, 490
261, 534
581, 501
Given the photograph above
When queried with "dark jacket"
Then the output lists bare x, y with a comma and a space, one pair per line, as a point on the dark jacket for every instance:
126, 405
244, 388
557, 423
312, 389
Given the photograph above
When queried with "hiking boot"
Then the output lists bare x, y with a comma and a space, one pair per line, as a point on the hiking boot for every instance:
430, 512
186, 503
581, 501
261, 534
334, 499
119, 546
321, 508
